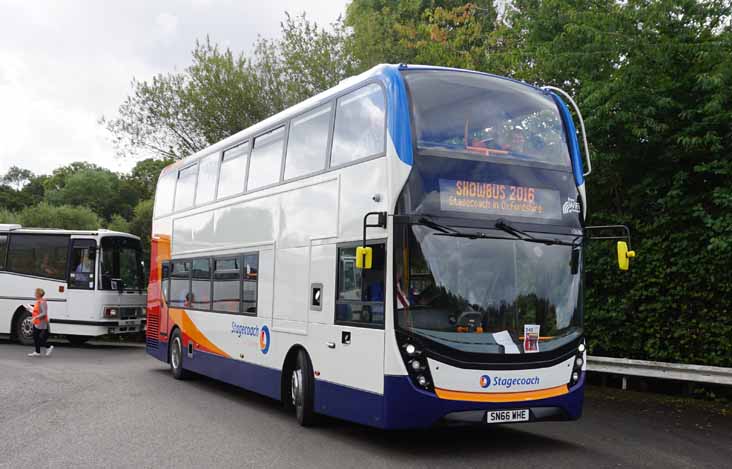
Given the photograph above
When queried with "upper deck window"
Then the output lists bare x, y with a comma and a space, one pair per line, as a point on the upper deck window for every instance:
185, 189
232, 170
308, 142
164, 193
487, 116
207, 174
359, 125
266, 160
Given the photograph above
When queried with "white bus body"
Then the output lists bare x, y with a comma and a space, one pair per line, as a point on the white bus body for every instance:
283, 204
83, 274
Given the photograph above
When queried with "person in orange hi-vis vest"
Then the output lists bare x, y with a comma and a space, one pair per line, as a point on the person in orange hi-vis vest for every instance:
40, 324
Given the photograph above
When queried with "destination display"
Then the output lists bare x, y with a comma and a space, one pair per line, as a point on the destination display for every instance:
499, 199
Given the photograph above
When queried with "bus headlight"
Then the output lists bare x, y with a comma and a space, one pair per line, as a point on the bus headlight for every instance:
410, 349
110, 312
416, 365
422, 381
579, 362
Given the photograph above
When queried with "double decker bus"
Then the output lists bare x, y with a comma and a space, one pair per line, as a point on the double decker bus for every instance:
403, 250
94, 282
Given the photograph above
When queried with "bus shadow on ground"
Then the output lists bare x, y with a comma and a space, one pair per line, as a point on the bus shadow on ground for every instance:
421, 443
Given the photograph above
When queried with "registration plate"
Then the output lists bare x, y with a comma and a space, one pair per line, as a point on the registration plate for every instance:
506, 416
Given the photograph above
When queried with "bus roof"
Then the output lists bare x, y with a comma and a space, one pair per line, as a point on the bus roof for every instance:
5, 228
381, 71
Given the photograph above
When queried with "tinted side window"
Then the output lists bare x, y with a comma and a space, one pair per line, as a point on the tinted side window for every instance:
164, 193
359, 125
360, 299
83, 258
232, 171
180, 274
207, 174
39, 255
266, 159
307, 143
249, 284
201, 285
185, 189
3, 250
226, 291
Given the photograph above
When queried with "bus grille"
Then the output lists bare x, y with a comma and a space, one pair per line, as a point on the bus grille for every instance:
153, 331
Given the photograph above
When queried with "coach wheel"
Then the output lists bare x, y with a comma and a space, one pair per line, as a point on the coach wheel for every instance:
176, 357
302, 390
24, 328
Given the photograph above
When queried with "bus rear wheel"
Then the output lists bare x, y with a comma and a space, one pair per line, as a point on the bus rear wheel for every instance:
176, 357
302, 390
24, 328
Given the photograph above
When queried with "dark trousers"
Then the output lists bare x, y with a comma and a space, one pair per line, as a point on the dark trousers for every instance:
40, 336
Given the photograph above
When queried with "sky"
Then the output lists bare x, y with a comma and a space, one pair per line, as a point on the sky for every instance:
65, 64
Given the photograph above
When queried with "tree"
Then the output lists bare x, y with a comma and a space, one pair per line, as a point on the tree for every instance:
654, 81
86, 185
118, 223
144, 176
222, 92
447, 32
16, 178
141, 224
62, 217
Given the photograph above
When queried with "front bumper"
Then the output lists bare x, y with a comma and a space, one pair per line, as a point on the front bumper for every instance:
409, 407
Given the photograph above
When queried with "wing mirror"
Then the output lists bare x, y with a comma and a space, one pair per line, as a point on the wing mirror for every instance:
624, 255
364, 256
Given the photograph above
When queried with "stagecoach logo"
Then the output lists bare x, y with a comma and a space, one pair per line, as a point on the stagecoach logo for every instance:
485, 381
570, 206
264, 339
507, 383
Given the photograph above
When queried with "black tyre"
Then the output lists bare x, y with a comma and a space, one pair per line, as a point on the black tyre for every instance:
78, 340
176, 356
24, 327
302, 390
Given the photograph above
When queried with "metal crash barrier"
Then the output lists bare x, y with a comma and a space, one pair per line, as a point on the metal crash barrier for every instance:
648, 369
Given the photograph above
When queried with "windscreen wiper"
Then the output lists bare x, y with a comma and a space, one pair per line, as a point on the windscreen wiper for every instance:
502, 225
436, 226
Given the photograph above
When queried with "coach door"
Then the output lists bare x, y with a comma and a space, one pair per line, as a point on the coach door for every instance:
81, 279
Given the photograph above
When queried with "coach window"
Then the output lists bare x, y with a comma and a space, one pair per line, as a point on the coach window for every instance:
164, 193
185, 189
3, 250
307, 142
249, 284
232, 172
266, 160
38, 255
360, 299
207, 174
201, 285
180, 283
226, 285
359, 125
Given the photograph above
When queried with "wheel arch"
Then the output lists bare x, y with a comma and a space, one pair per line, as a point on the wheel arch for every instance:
14, 321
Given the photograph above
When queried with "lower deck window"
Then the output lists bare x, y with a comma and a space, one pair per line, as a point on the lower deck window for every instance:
360, 299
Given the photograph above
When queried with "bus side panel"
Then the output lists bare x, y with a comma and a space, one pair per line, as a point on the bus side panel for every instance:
18, 290
256, 378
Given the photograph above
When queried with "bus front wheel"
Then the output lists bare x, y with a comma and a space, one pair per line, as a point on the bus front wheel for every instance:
176, 356
24, 328
302, 390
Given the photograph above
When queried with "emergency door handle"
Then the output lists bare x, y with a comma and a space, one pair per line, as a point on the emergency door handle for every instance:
330, 344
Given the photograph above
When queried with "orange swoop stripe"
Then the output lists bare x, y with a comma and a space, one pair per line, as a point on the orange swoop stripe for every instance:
501, 396
180, 317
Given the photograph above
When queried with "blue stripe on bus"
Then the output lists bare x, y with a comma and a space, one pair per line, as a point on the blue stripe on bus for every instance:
397, 113
347, 403
574, 148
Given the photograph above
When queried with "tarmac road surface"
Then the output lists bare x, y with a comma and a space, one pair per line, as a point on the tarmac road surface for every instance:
113, 406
